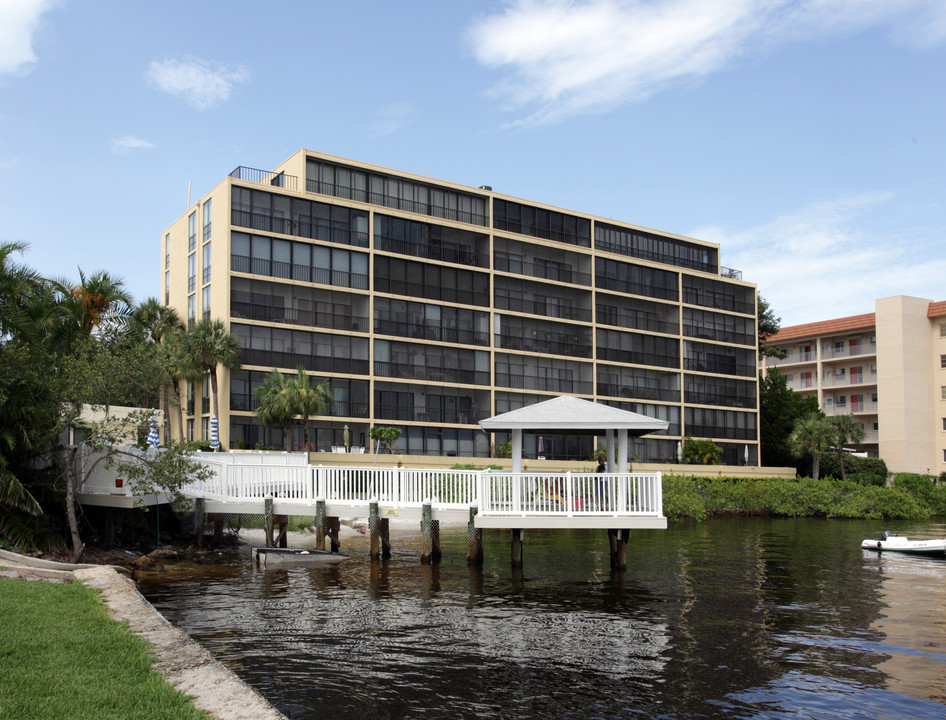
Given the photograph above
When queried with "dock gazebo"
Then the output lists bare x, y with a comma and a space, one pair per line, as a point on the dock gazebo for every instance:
569, 415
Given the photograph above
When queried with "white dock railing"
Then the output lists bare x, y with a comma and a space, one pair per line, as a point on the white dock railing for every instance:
494, 493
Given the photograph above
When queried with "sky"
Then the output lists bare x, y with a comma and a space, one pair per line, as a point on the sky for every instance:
806, 137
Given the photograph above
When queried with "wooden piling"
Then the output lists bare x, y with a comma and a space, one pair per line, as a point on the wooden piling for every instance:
268, 521
199, 517
332, 527
319, 524
474, 553
218, 520
620, 559
384, 530
374, 531
282, 537
517, 547
426, 534
613, 547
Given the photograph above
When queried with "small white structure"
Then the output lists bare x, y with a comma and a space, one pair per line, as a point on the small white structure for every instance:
568, 415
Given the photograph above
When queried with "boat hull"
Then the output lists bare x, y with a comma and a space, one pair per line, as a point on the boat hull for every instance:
265, 557
902, 545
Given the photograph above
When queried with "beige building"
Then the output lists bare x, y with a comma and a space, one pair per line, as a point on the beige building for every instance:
887, 368
431, 306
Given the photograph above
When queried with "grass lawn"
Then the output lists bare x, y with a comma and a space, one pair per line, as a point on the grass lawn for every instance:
63, 657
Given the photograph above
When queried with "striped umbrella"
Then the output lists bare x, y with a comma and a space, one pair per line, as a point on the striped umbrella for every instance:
153, 439
214, 434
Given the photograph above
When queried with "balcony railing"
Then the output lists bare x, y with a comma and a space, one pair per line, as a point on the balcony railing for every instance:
292, 360
544, 308
265, 177
546, 271
552, 345
430, 373
445, 252
545, 384
429, 331
294, 316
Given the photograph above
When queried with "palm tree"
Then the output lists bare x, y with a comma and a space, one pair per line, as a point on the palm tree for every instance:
163, 326
812, 435
847, 430
209, 345
18, 287
277, 403
96, 300
311, 399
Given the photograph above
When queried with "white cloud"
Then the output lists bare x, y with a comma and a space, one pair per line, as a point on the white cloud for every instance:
198, 82
393, 118
566, 57
19, 20
819, 262
129, 142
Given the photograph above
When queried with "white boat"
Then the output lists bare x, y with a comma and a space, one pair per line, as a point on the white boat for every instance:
898, 543
263, 556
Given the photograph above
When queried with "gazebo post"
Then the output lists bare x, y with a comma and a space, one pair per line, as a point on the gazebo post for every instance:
517, 450
622, 450
609, 435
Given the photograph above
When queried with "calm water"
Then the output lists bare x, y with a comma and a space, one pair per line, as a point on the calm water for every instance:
736, 619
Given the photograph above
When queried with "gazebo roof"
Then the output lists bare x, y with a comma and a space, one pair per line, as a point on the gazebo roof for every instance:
573, 416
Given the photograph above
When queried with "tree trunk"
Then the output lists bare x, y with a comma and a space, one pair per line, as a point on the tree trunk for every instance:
180, 407
287, 436
841, 462
814, 465
67, 460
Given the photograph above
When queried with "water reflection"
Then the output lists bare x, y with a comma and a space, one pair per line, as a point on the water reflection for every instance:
747, 618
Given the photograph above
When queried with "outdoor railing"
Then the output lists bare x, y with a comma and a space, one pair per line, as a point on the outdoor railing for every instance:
494, 493
571, 494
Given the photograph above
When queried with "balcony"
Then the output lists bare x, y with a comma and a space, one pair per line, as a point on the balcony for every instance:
265, 177
838, 381
862, 350
293, 316
557, 272
430, 373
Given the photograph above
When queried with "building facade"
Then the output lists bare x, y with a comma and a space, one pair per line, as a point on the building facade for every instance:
430, 306
887, 368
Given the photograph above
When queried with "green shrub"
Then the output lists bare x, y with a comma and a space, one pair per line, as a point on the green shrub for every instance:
867, 471
682, 498
701, 497
701, 452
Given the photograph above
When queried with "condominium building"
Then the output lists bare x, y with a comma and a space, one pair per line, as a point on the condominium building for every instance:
887, 368
430, 306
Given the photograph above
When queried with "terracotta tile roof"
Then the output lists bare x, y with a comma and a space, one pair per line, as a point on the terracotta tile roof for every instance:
937, 309
825, 327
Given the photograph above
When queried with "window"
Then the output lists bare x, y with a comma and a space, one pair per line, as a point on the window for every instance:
207, 219
839, 347
789, 377
942, 361
191, 307
192, 272
828, 402
944, 423
840, 372
205, 263
942, 392
192, 232
805, 378
205, 302
942, 329
842, 400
